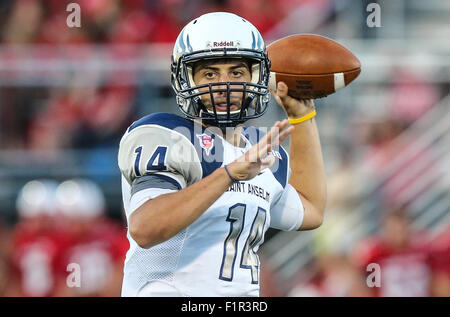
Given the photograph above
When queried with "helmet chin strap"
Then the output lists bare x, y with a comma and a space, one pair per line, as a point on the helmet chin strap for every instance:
217, 116
215, 121
224, 112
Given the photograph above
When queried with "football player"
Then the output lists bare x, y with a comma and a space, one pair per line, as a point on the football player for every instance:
37, 243
200, 191
406, 257
98, 243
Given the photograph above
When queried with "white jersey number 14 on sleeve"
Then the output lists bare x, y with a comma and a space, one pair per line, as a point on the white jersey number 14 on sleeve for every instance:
157, 161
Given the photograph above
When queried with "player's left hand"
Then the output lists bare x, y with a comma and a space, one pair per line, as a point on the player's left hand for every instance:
294, 108
260, 155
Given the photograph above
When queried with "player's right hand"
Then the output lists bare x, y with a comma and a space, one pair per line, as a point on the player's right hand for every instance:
259, 156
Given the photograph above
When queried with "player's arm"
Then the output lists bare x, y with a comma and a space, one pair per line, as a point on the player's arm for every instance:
306, 161
159, 219
162, 217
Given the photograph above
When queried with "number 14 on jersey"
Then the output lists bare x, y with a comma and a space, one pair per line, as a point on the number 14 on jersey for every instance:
249, 259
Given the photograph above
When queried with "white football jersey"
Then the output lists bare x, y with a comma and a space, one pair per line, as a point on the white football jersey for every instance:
217, 254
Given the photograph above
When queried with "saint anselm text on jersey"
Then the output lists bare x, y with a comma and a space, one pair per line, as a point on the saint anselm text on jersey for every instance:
240, 187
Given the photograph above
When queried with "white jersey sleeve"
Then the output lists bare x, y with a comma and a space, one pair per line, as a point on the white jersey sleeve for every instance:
154, 160
133, 202
287, 211
155, 150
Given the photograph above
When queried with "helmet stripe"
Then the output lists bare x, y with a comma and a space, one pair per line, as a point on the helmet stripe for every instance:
253, 40
189, 44
181, 41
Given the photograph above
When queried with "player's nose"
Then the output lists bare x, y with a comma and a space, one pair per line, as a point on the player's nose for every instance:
223, 76
222, 86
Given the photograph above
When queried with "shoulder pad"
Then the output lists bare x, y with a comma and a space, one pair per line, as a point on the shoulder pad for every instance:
167, 120
209, 149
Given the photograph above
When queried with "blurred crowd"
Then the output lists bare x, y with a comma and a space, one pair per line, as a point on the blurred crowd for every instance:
395, 256
131, 21
399, 261
93, 112
63, 244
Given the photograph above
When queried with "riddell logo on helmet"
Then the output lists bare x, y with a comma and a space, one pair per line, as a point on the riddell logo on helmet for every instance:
223, 43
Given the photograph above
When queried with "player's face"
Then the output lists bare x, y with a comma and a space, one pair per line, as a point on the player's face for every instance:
222, 71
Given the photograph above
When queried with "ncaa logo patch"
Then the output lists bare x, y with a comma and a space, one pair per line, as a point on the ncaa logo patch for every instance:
206, 142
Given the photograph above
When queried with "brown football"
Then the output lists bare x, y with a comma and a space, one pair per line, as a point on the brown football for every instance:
312, 66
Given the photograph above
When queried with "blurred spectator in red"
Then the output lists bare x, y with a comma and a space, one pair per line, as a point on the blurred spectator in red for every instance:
207, 6
5, 278
268, 280
37, 244
81, 117
403, 255
440, 246
105, 117
99, 244
140, 22
333, 275
169, 18
54, 30
23, 22
415, 164
410, 98
264, 14
54, 125
97, 18
411, 95
134, 25
5, 265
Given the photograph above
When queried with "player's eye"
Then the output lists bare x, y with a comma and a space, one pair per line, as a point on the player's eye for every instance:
237, 73
210, 75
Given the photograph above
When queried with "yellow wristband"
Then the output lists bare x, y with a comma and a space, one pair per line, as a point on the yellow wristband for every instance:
304, 118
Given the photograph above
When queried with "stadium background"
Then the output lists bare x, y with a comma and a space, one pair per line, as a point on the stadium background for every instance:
68, 94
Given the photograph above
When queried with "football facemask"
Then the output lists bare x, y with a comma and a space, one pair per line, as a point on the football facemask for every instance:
221, 36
